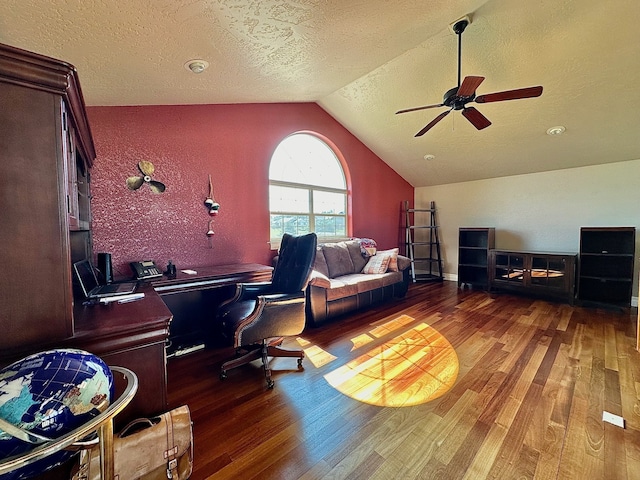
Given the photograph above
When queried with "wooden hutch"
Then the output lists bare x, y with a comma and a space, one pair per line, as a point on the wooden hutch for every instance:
46, 154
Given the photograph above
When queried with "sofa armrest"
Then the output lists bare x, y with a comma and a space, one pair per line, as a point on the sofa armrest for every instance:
319, 280
403, 262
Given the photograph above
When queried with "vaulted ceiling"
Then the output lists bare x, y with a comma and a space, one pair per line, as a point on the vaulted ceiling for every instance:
364, 60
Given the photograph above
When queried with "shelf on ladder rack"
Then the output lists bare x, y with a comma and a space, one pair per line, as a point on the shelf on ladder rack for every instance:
426, 245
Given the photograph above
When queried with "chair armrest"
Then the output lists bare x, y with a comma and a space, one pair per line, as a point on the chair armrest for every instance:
276, 315
280, 298
249, 291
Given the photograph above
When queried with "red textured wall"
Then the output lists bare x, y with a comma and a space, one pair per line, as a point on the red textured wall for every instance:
234, 144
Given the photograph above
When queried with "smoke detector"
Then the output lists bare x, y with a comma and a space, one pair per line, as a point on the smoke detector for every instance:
196, 66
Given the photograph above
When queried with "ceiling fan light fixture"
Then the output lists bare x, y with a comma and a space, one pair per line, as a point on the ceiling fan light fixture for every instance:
196, 66
558, 130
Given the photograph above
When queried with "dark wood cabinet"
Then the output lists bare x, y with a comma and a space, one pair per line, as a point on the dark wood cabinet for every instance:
46, 154
46, 150
474, 245
544, 274
606, 265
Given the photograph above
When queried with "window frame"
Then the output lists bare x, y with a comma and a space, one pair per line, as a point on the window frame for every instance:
310, 188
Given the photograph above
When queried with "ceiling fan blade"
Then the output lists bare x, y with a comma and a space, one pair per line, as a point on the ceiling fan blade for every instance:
469, 86
528, 92
157, 187
414, 109
476, 118
134, 183
432, 123
146, 167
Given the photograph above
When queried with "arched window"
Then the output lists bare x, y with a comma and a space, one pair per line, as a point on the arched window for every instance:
307, 189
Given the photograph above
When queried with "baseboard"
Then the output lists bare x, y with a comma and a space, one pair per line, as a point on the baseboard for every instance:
450, 277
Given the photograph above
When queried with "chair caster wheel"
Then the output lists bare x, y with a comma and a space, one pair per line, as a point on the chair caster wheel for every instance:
223, 375
270, 384
299, 364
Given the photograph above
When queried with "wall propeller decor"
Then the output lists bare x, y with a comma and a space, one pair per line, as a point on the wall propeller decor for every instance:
147, 169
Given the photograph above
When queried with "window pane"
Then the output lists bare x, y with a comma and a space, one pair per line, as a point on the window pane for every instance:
287, 199
296, 224
327, 226
303, 158
329, 202
277, 226
292, 224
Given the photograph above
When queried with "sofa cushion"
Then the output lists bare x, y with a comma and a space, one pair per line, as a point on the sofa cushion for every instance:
390, 278
359, 283
370, 282
320, 264
359, 261
338, 259
345, 286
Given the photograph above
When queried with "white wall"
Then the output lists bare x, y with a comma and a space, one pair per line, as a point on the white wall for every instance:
540, 211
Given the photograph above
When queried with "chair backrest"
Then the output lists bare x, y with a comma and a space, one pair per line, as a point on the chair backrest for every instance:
295, 263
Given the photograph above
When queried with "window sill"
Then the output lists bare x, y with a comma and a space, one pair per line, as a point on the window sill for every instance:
275, 244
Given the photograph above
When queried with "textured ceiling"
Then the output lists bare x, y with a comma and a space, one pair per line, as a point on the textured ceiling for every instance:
362, 61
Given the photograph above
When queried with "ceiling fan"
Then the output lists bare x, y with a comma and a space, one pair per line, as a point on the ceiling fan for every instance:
458, 97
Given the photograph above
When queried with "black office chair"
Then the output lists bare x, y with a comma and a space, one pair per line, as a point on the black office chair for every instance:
257, 318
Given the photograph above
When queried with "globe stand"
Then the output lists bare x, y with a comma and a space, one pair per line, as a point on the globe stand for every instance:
102, 424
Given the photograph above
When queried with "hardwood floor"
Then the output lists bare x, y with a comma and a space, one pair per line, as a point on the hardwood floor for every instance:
534, 379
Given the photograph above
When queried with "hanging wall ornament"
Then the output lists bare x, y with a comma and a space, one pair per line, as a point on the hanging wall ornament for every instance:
210, 202
213, 207
210, 233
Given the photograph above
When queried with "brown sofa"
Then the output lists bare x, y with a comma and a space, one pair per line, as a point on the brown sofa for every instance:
338, 284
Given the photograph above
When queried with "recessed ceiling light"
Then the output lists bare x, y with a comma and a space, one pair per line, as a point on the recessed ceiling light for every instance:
196, 66
559, 130
428, 157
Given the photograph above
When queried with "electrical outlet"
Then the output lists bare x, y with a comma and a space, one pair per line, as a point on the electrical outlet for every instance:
613, 419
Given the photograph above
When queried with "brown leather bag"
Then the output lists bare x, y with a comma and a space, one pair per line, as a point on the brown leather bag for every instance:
157, 448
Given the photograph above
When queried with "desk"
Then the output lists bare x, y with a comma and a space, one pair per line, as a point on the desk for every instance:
132, 335
193, 300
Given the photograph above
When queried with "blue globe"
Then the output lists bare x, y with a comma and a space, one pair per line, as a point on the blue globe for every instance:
51, 393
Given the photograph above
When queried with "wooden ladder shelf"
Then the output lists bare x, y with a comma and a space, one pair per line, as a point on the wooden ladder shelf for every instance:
422, 243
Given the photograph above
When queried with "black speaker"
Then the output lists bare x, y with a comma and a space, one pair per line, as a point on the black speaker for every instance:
105, 267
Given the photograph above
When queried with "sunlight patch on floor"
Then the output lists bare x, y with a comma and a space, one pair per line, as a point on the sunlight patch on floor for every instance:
416, 366
318, 356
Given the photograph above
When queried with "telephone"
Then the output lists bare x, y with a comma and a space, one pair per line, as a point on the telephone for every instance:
145, 269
